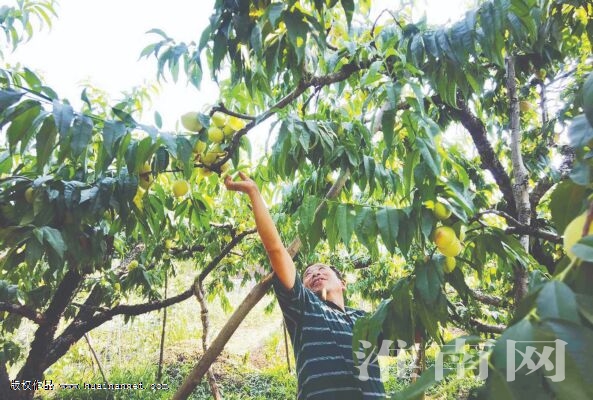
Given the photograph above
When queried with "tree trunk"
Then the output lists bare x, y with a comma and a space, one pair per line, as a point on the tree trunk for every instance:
37, 361
5, 392
521, 179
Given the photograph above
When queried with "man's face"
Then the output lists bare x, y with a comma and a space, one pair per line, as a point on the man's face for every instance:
320, 276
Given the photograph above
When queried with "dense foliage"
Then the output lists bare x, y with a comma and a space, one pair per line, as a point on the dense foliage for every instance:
490, 117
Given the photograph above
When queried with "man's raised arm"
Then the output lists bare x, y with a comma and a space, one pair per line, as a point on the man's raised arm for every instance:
281, 261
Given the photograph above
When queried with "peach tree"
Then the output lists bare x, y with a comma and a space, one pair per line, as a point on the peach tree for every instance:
481, 117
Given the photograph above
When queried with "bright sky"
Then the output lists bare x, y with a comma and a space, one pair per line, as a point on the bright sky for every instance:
99, 41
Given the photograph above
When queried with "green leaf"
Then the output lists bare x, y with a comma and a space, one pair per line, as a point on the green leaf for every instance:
588, 98
369, 173
372, 325
8, 97
331, 229
255, 39
430, 156
112, 132
219, 49
161, 160
54, 239
429, 279
524, 333
63, 115
366, 230
388, 125
417, 50
8, 292
307, 211
580, 132
159, 32
81, 134
348, 6
44, 142
185, 155
581, 173
274, 12
583, 249
158, 120
556, 300
498, 386
345, 220
388, 224
125, 117
22, 123
445, 46
578, 361
566, 203
297, 30
585, 306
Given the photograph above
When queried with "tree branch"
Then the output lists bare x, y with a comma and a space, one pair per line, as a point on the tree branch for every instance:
473, 323
37, 361
91, 316
222, 108
23, 311
545, 184
305, 83
223, 253
533, 231
76, 330
490, 160
187, 252
488, 299
517, 227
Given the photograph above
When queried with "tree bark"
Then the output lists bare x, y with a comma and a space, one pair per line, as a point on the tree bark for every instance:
255, 295
23, 311
489, 159
5, 392
37, 361
199, 288
520, 177
159, 373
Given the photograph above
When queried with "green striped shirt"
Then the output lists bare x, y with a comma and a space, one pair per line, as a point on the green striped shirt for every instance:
321, 335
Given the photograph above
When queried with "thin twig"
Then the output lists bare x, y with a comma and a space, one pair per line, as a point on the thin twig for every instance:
519, 228
88, 341
199, 292
286, 346
159, 373
222, 108
474, 323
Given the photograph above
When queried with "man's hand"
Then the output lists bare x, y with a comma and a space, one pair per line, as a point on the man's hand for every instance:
245, 185
281, 261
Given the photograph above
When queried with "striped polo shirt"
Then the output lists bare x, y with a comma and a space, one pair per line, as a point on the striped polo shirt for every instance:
321, 335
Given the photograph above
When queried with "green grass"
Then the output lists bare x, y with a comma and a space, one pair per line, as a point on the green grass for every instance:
234, 384
238, 381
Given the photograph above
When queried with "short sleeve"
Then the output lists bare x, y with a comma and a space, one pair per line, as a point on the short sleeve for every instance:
292, 302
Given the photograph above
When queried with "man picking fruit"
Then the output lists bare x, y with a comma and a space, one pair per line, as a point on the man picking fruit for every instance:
319, 324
